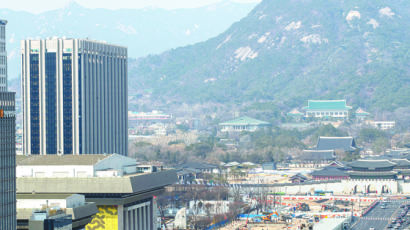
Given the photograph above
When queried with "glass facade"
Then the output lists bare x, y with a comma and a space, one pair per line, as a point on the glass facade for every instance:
80, 132
3, 57
67, 104
34, 104
77, 97
7, 161
51, 103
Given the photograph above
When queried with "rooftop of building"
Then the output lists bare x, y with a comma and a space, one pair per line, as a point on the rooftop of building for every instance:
245, 120
336, 143
398, 152
197, 165
317, 155
401, 162
68, 159
338, 164
232, 164
80, 215
295, 112
327, 105
186, 171
34, 196
329, 171
372, 164
361, 112
80, 39
298, 176
136, 183
3, 22
330, 223
372, 174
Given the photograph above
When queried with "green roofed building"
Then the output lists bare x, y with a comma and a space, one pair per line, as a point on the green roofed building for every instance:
361, 114
327, 108
243, 124
295, 113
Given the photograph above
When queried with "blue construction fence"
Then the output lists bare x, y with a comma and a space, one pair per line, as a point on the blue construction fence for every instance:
250, 216
218, 225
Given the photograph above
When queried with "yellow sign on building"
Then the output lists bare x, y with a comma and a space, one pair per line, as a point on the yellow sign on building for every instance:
105, 219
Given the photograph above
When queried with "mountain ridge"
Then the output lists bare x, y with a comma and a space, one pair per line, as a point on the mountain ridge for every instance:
289, 52
144, 31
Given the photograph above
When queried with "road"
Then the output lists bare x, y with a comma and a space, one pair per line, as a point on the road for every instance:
379, 218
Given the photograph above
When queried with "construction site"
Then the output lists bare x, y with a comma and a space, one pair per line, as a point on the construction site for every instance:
304, 212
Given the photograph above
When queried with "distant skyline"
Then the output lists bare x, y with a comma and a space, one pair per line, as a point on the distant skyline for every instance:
40, 6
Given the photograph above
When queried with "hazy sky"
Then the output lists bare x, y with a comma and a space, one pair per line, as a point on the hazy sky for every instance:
37, 6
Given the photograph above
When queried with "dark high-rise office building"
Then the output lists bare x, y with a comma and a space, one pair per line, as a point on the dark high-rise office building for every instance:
7, 142
3, 56
74, 97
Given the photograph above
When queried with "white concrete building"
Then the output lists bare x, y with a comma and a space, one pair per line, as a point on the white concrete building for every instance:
68, 211
68, 201
125, 199
74, 97
75, 166
383, 125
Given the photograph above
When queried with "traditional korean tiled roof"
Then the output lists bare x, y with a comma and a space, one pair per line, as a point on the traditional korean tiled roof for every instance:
401, 162
329, 171
327, 105
186, 171
197, 165
399, 153
232, 164
297, 176
295, 112
361, 112
338, 164
372, 174
248, 163
317, 155
245, 121
372, 164
336, 143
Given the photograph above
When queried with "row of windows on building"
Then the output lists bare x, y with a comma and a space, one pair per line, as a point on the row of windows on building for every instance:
7, 170
7, 220
327, 113
2, 32
6, 103
2, 47
3, 80
3, 71
51, 116
3, 60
